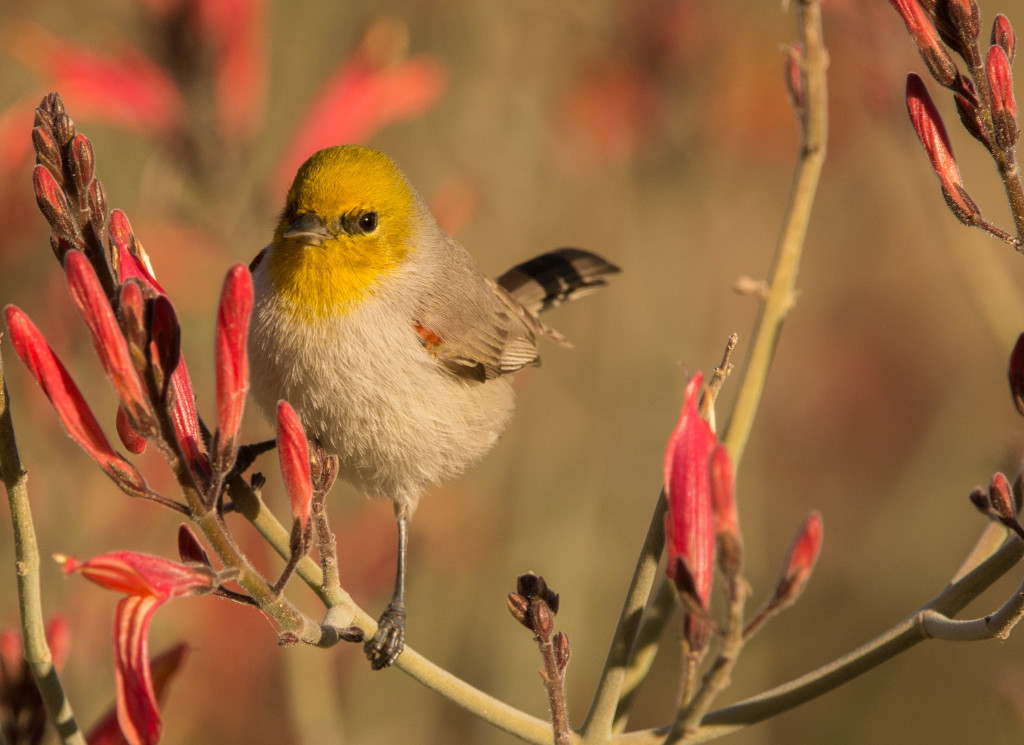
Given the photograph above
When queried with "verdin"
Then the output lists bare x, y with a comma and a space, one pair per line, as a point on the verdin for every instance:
387, 339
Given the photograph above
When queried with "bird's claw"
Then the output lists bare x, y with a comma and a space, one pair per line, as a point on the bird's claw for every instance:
389, 641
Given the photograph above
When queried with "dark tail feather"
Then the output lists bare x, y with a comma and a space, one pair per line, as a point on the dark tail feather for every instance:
551, 279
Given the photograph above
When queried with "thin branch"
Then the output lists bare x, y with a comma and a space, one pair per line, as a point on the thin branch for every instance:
882, 648
781, 292
491, 710
33, 625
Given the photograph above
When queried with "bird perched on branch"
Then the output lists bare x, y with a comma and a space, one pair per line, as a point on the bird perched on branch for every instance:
393, 347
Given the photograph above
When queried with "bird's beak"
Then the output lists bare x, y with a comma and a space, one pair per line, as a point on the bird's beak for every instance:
309, 229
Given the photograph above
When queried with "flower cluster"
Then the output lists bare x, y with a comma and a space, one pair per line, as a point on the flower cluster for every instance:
702, 514
137, 338
982, 92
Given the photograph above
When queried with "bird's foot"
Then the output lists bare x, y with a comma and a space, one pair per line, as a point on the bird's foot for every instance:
389, 641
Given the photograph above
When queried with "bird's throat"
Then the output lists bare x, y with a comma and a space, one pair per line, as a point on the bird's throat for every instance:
324, 281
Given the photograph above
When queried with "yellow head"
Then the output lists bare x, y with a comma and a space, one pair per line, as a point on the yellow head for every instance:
348, 222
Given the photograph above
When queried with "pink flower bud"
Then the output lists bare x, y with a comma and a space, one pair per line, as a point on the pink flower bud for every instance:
232, 361
293, 450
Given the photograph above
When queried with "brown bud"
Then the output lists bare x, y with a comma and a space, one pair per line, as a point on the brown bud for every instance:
82, 164
561, 642
47, 152
979, 498
960, 203
189, 548
519, 607
966, 18
542, 619
1015, 373
970, 117
1001, 498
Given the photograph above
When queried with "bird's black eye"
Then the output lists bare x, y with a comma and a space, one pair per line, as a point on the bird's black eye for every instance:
368, 222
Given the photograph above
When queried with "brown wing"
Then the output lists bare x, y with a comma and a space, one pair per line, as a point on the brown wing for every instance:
477, 331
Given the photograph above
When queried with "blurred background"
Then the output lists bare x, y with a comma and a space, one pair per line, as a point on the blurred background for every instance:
655, 132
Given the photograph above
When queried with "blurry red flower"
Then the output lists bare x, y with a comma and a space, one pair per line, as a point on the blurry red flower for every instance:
149, 582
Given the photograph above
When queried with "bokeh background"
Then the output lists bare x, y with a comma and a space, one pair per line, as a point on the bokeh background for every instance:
655, 132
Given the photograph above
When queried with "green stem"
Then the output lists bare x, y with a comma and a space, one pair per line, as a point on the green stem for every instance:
882, 648
26, 550
486, 707
597, 728
781, 290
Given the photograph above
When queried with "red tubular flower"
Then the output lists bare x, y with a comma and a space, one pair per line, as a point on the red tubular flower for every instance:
922, 30
235, 31
149, 582
293, 450
689, 530
109, 342
128, 88
162, 669
74, 412
1004, 106
232, 359
373, 88
932, 133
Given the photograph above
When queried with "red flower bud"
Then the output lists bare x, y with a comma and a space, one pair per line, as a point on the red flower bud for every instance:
293, 450
803, 555
130, 438
107, 339
689, 531
73, 411
1000, 498
1003, 36
53, 203
966, 18
232, 361
932, 134
926, 37
1004, 107
723, 505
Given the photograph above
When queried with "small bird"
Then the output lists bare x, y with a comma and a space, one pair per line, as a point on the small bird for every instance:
394, 348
